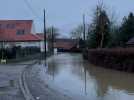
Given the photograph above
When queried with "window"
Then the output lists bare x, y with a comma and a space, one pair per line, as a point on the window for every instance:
0, 26
20, 32
10, 26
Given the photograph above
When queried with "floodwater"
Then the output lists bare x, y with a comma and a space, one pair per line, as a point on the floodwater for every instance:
72, 76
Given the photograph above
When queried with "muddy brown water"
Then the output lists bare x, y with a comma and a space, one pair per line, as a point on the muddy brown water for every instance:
74, 77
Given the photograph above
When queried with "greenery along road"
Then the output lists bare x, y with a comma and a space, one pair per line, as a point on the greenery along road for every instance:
105, 30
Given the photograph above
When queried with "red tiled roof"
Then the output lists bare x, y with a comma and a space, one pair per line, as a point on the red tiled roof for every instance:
66, 46
65, 43
27, 37
19, 38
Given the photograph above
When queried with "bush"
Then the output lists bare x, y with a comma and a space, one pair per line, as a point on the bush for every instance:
119, 58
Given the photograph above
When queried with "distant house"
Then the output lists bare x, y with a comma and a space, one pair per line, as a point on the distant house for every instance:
18, 33
130, 43
60, 44
66, 45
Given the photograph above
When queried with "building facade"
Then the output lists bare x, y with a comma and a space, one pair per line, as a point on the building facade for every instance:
19, 33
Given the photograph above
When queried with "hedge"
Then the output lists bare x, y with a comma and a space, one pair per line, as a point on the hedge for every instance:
117, 58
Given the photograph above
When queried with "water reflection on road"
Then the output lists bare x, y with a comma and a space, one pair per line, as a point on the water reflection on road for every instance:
74, 77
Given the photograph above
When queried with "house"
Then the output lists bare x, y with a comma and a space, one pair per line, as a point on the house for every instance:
14, 33
60, 44
18, 37
66, 45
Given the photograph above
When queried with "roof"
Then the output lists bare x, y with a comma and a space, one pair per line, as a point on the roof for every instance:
19, 38
65, 43
66, 40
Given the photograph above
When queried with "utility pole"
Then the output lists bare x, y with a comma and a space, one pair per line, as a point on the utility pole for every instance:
85, 76
84, 32
84, 28
45, 36
52, 40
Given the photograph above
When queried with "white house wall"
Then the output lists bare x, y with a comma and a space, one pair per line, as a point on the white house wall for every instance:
22, 44
9, 44
42, 46
26, 44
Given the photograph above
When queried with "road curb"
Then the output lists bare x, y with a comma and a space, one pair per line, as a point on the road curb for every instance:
23, 85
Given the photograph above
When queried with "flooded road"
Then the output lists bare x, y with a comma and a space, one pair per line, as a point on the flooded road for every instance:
70, 75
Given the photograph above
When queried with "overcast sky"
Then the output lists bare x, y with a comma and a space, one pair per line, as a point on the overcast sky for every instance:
63, 14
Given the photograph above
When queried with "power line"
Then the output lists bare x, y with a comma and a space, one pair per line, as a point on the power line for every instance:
32, 10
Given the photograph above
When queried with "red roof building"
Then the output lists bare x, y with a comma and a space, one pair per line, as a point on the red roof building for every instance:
17, 31
61, 42
66, 44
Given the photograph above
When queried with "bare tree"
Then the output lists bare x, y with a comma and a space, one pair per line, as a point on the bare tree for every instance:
77, 33
55, 31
